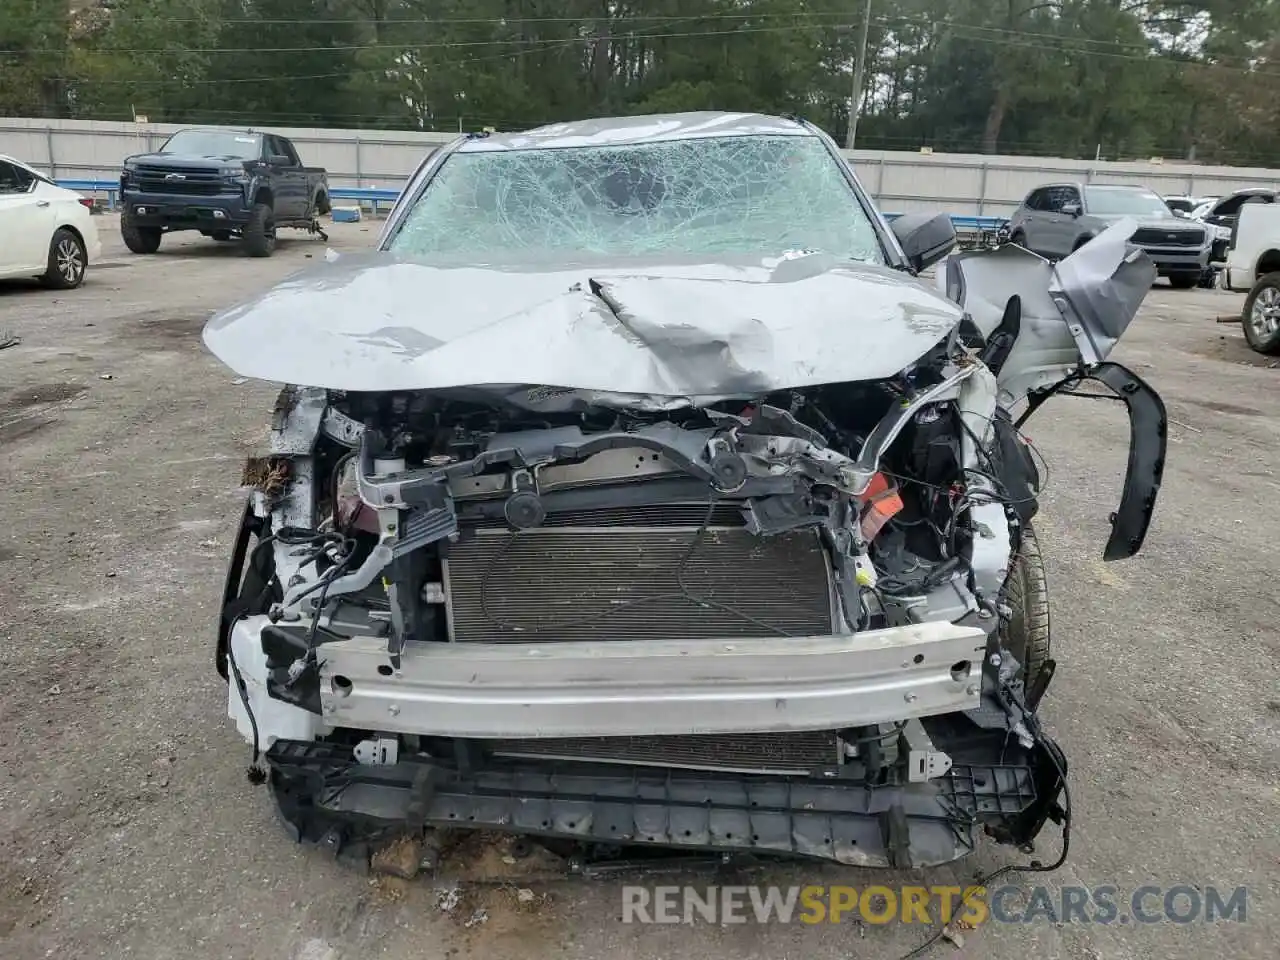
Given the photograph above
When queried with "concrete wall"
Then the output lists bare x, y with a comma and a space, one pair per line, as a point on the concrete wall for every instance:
902, 182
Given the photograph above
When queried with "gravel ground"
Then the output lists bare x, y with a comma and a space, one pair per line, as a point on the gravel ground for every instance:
127, 826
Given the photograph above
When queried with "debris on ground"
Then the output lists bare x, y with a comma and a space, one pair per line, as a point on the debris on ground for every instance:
477, 918
400, 858
106, 376
448, 898
9, 340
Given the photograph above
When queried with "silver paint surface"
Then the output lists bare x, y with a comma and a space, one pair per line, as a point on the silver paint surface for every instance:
673, 328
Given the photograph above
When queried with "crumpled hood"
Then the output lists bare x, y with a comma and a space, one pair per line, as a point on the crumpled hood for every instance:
674, 328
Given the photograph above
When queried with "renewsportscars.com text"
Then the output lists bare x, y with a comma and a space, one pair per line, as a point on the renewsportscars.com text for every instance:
971, 906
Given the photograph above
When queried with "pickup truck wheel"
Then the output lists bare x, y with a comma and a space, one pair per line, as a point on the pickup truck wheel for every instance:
1184, 281
322, 205
1026, 633
67, 261
140, 239
1261, 316
260, 231
1018, 239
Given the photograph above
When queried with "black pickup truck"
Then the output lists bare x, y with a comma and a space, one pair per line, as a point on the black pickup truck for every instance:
227, 184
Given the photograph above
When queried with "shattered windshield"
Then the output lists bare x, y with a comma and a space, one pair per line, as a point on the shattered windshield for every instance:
729, 195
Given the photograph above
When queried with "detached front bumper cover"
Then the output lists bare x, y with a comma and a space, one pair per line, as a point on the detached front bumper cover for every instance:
325, 797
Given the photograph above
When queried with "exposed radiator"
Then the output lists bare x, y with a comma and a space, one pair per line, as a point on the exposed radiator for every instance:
631, 582
785, 753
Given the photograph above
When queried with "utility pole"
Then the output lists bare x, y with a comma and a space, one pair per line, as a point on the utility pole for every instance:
860, 66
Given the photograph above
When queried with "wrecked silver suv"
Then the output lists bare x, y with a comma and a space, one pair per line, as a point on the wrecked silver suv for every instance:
635, 491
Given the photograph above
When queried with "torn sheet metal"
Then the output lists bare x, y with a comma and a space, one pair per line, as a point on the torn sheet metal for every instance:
671, 329
1100, 287
1073, 311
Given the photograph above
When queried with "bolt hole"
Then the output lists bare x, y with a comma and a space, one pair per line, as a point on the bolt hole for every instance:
342, 686
960, 671
688, 833
918, 658
755, 838
979, 781
385, 669
728, 836
545, 824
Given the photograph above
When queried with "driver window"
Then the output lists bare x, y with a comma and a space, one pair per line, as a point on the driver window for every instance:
14, 179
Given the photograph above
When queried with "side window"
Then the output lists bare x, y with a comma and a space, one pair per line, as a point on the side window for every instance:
1036, 199
1062, 196
14, 179
271, 145
288, 151
1052, 199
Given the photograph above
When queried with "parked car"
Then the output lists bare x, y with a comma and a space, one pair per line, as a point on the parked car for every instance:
603, 506
1220, 216
228, 184
1184, 206
1253, 265
1059, 218
45, 231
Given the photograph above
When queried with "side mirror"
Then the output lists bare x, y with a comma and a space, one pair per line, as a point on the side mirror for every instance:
1072, 209
924, 237
278, 160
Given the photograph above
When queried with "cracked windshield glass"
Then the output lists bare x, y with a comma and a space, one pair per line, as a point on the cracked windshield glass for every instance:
732, 195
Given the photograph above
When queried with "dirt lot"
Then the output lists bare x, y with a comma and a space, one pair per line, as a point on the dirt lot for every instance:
127, 826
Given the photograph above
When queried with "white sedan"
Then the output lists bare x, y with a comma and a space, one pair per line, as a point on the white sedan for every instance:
45, 231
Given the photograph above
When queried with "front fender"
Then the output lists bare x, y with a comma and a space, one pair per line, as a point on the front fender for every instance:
1148, 443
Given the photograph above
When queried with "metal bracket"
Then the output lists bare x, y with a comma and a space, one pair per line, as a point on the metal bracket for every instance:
384, 751
924, 760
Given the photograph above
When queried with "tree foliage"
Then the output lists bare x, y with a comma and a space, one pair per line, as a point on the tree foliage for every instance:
1112, 78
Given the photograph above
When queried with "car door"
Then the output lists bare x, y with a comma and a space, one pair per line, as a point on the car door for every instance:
26, 223
290, 185
1031, 214
1060, 227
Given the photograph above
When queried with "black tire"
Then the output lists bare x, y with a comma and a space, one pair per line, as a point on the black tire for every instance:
1184, 281
1261, 315
222, 236
140, 239
260, 231
1019, 239
1026, 634
322, 205
68, 261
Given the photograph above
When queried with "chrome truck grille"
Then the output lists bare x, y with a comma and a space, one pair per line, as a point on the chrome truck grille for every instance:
1156, 237
808, 753
642, 574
